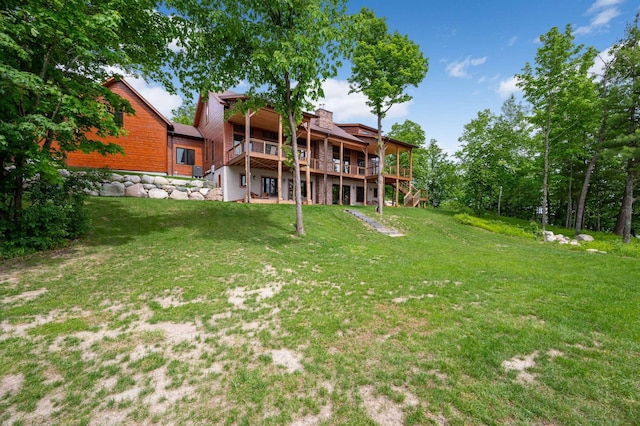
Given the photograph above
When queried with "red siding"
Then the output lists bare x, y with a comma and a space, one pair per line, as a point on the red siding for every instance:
182, 142
213, 130
145, 145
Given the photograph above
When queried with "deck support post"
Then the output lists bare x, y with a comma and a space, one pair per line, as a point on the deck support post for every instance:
279, 158
308, 184
247, 155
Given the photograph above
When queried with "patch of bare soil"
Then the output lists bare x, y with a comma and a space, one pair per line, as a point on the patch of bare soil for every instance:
521, 365
239, 295
24, 297
288, 359
313, 420
8, 330
9, 279
381, 409
11, 384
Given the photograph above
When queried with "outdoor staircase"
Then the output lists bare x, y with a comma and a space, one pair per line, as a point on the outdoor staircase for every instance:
411, 199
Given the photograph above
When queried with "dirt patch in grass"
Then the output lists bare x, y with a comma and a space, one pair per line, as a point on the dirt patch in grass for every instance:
288, 359
380, 408
521, 365
24, 297
312, 420
11, 384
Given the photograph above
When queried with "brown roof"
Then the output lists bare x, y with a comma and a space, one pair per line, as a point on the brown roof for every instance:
334, 131
186, 130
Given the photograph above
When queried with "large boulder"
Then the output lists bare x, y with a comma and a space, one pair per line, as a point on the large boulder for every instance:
197, 183
179, 195
116, 177
114, 189
179, 182
146, 179
136, 190
584, 237
160, 181
214, 195
158, 194
548, 236
196, 196
132, 178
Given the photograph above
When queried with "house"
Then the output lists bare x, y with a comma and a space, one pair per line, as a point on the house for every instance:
247, 155
338, 162
152, 144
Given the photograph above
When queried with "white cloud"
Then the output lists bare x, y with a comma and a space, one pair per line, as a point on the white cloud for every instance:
459, 69
604, 57
156, 95
508, 87
512, 41
175, 46
604, 17
603, 4
605, 11
353, 107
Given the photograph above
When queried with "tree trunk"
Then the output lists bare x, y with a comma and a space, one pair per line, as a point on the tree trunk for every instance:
628, 201
296, 175
619, 228
583, 194
545, 182
567, 223
380, 167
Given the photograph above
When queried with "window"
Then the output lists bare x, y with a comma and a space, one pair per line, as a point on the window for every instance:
270, 186
118, 118
359, 194
346, 167
185, 156
243, 181
361, 163
269, 135
303, 189
206, 112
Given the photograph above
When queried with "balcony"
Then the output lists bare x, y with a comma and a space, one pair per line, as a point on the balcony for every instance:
261, 148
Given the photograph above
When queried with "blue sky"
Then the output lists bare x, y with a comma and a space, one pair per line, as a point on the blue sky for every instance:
474, 48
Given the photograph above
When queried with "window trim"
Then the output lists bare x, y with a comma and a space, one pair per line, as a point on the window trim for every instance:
190, 155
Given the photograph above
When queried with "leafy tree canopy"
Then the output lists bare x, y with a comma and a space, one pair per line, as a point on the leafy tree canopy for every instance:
185, 113
54, 55
282, 50
408, 131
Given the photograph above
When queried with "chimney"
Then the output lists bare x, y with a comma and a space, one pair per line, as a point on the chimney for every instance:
325, 118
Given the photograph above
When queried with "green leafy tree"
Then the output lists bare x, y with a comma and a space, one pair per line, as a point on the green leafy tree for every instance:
283, 49
476, 160
624, 122
409, 132
498, 159
185, 113
384, 65
434, 172
53, 58
548, 86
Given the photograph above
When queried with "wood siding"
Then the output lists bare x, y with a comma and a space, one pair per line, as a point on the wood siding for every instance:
145, 144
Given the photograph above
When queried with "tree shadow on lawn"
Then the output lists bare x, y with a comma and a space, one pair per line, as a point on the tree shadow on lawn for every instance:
119, 221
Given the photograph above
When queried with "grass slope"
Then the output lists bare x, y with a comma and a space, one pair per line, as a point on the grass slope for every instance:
175, 312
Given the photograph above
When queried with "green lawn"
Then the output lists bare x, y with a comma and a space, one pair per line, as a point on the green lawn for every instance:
211, 313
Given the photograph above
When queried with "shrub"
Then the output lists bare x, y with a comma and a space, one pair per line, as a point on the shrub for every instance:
52, 213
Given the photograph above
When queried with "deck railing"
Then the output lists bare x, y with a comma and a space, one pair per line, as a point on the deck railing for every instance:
260, 146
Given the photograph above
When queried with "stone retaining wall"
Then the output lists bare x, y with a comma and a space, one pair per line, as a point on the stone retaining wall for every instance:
158, 187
